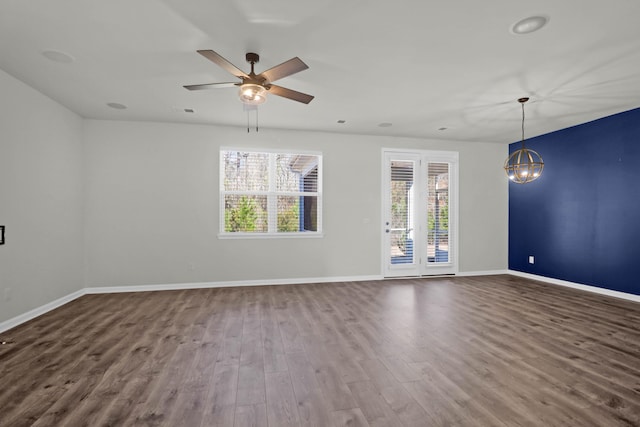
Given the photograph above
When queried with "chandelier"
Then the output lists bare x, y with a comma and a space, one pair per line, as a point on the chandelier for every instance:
523, 165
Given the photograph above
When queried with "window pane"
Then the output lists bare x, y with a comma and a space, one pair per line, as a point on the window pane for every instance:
288, 214
297, 172
245, 214
287, 179
310, 181
245, 171
401, 227
310, 213
438, 213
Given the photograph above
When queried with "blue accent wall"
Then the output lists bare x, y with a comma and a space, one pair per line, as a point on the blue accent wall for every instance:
581, 218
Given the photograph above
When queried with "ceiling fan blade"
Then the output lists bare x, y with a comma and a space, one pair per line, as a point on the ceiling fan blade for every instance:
291, 94
223, 63
211, 86
292, 66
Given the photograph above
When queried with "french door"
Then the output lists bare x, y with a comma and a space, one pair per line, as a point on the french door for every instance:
419, 213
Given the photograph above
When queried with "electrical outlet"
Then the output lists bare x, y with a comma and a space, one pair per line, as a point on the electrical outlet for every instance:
532, 260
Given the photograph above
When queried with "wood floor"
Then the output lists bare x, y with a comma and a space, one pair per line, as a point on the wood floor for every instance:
466, 351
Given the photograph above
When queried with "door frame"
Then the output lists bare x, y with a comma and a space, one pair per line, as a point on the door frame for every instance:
423, 268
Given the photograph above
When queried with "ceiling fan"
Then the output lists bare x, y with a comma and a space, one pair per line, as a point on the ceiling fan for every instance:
254, 87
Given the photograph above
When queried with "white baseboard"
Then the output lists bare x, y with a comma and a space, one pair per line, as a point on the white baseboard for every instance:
588, 288
39, 311
482, 273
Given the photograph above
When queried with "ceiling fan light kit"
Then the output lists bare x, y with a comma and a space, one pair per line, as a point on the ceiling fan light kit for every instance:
252, 94
523, 165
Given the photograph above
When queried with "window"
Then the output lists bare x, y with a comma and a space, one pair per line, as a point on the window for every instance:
270, 193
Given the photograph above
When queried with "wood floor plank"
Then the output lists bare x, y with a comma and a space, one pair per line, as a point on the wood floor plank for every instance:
329, 378
273, 349
251, 387
349, 418
282, 407
407, 409
378, 373
457, 351
312, 407
374, 407
220, 402
251, 416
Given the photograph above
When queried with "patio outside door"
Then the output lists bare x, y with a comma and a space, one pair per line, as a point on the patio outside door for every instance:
419, 213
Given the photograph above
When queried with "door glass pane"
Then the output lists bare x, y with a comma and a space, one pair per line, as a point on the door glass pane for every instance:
438, 213
401, 227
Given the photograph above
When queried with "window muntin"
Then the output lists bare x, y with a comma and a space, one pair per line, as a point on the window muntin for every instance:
270, 193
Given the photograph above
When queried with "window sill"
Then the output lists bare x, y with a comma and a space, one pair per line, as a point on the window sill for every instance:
307, 235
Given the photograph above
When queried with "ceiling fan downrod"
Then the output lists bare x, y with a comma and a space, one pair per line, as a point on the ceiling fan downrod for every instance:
252, 58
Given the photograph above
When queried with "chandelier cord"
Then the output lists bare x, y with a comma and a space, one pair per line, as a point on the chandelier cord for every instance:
522, 124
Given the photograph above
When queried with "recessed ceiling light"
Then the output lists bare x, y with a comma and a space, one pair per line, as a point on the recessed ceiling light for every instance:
342, 121
530, 24
57, 56
442, 128
117, 106
189, 110
385, 125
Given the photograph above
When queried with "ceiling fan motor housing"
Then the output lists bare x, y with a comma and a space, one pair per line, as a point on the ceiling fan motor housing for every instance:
252, 58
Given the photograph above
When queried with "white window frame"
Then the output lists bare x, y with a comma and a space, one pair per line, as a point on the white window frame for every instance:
270, 194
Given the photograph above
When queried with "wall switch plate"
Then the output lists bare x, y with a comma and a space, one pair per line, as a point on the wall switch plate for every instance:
531, 259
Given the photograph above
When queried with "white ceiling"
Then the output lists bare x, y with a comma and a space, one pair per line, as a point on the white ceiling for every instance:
420, 65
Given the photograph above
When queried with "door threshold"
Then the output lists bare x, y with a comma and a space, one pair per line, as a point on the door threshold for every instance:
422, 276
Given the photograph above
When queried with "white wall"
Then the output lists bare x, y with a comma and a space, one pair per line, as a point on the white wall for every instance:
152, 209
40, 199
